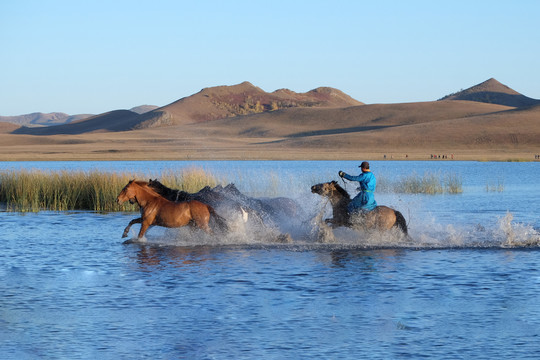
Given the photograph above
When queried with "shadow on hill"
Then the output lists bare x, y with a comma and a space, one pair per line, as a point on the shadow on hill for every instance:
118, 120
491, 97
336, 131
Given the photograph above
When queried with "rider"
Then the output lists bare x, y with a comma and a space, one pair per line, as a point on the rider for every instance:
365, 200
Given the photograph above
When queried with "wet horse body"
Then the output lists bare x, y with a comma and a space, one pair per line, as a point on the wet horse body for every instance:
229, 198
156, 210
381, 218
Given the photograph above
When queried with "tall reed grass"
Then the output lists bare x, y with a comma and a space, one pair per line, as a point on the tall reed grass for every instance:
32, 191
429, 183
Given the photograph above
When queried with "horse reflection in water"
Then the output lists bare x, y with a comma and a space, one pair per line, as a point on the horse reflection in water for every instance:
156, 210
381, 218
177, 256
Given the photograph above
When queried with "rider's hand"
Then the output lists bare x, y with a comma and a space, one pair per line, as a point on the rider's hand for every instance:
341, 173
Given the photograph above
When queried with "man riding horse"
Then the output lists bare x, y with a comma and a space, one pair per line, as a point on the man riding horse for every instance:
365, 200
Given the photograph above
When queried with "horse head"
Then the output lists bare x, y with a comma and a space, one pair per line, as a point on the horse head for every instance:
127, 194
158, 187
330, 189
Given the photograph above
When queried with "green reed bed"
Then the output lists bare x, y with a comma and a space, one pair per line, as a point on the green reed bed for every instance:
429, 183
31, 191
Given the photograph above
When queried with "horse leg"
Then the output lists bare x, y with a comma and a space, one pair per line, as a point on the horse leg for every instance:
202, 220
144, 226
134, 221
201, 224
333, 223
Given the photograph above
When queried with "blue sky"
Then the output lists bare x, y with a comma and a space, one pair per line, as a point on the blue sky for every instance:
95, 56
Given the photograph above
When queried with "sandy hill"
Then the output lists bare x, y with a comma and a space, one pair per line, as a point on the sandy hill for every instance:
307, 122
7, 127
493, 92
243, 99
499, 130
337, 127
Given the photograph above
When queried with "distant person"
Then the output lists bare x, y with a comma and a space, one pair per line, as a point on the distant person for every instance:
365, 200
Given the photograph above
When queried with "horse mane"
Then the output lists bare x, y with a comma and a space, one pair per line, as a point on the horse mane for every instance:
144, 186
341, 190
170, 194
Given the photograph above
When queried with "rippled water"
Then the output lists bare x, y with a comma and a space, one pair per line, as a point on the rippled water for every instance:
466, 286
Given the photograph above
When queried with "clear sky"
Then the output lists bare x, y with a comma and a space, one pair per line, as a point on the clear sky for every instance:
93, 56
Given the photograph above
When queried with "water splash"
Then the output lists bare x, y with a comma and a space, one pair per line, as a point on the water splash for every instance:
517, 234
313, 232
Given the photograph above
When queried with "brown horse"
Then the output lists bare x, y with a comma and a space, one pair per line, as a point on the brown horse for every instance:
156, 210
381, 218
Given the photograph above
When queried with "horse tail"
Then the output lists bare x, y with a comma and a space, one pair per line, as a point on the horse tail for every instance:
220, 221
400, 222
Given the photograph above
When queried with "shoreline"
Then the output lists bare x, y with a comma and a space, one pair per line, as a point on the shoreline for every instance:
223, 156
141, 146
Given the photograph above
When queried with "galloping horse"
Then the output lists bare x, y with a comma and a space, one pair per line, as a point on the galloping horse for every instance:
232, 198
381, 218
156, 210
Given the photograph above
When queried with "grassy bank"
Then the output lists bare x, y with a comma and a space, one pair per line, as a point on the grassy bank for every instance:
31, 191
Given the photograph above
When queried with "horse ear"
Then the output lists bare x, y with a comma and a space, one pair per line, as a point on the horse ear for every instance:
333, 182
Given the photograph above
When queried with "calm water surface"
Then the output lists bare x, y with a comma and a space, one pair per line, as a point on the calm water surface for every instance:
467, 286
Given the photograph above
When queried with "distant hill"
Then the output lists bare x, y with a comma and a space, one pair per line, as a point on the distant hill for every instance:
41, 119
493, 92
243, 99
209, 104
245, 110
117, 120
143, 108
59, 118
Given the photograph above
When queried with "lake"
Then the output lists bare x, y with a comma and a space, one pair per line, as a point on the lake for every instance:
466, 286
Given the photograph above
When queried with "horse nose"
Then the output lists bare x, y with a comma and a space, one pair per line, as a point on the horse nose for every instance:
313, 189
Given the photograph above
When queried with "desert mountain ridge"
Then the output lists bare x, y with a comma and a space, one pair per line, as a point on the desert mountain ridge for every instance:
492, 91
207, 105
244, 122
237, 100
223, 102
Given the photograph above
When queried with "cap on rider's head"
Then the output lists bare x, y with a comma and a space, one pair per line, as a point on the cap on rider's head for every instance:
364, 165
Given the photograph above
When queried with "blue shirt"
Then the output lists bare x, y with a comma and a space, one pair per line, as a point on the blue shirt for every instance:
365, 200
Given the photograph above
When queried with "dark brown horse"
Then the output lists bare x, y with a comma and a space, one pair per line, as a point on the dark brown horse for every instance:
260, 212
156, 210
381, 218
